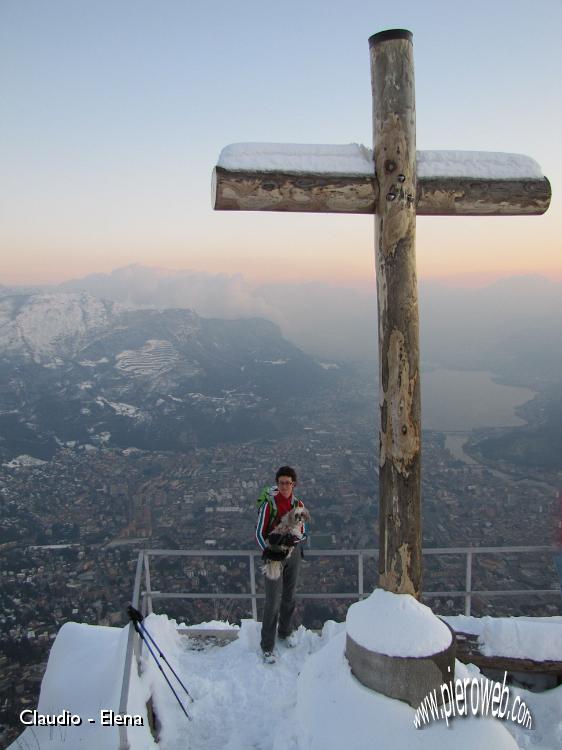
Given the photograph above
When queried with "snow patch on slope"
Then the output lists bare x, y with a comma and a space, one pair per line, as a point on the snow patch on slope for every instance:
24, 460
123, 410
43, 325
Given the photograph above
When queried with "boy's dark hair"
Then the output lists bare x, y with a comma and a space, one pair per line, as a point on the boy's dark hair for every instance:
286, 471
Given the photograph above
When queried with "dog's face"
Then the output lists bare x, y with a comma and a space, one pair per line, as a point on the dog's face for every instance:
301, 515
295, 517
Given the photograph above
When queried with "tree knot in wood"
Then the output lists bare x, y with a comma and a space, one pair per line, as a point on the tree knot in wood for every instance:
400, 441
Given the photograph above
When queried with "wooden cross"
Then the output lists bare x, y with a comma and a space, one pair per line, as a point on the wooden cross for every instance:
395, 183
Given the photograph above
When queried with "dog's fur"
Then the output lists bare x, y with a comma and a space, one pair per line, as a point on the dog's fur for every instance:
291, 523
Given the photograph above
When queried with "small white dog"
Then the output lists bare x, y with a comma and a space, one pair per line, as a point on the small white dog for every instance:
291, 525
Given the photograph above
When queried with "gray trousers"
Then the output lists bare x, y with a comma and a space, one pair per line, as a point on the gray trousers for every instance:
280, 601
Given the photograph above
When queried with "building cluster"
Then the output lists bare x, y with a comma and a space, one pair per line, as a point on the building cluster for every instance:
71, 530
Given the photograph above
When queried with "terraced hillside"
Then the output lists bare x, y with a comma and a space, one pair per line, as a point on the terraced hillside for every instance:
81, 372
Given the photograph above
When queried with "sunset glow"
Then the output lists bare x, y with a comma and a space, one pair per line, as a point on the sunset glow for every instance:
112, 119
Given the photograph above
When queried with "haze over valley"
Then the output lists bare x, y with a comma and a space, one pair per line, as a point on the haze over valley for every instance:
147, 408
512, 327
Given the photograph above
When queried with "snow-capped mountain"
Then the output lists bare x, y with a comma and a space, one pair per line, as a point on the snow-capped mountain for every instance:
46, 326
78, 370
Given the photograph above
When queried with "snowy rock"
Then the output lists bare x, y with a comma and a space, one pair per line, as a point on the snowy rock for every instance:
334, 710
396, 625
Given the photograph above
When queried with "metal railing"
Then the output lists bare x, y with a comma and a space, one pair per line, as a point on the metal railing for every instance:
132, 648
149, 595
146, 597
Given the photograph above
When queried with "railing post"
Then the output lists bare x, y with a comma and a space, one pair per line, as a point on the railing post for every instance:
132, 648
360, 574
139, 604
468, 584
123, 701
253, 588
147, 584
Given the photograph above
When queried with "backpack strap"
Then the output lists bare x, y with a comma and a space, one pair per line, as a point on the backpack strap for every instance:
268, 496
266, 499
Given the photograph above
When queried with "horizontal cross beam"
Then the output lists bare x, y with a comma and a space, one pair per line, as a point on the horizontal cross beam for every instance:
449, 183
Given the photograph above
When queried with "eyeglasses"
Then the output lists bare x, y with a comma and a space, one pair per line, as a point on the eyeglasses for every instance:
282, 482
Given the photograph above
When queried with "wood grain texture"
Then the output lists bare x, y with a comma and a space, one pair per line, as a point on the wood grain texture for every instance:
394, 138
244, 190
466, 196
283, 191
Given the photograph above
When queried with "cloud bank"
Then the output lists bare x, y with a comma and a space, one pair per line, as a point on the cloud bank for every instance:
512, 326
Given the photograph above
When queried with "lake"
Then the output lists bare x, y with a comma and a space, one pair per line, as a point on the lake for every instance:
455, 400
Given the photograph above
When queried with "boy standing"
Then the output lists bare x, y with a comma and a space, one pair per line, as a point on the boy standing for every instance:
274, 502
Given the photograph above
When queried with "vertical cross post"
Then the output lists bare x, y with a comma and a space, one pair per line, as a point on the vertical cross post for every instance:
394, 136
343, 179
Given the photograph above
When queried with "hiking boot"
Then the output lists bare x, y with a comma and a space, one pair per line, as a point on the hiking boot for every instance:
289, 641
268, 657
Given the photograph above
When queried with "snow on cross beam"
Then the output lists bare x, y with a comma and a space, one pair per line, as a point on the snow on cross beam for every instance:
341, 179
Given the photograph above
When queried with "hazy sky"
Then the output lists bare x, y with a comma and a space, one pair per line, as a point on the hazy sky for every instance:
113, 114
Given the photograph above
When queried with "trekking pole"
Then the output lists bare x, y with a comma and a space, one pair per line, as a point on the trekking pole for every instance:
134, 615
137, 615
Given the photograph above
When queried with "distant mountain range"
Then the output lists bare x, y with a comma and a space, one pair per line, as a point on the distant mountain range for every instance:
511, 327
79, 371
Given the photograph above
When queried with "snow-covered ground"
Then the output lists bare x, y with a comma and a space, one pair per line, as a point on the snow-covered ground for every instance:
308, 700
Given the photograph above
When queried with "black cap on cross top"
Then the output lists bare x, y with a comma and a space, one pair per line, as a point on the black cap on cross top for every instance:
384, 36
